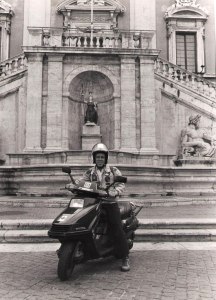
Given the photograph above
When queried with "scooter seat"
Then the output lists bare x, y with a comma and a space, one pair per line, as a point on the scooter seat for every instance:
125, 209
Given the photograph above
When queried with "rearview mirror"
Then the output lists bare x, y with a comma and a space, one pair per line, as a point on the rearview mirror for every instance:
66, 170
122, 179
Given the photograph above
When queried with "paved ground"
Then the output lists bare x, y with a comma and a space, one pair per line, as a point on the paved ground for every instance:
158, 271
155, 274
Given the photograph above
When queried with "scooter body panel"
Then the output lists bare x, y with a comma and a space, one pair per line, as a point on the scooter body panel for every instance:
74, 222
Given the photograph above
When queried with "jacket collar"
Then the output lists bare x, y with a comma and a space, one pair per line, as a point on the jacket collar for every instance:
105, 169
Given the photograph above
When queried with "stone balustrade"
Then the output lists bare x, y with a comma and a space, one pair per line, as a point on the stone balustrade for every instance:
79, 38
13, 65
190, 80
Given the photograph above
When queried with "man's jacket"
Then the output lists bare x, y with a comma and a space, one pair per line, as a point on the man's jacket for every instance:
104, 177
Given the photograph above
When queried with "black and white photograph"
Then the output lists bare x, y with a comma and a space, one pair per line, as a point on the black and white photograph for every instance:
108, 149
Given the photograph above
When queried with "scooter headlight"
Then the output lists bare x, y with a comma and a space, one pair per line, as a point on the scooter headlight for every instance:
77, 203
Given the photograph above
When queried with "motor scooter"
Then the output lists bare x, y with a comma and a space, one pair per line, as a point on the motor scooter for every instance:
82, 227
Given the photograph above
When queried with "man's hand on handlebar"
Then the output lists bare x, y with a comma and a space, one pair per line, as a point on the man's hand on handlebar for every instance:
102, 193
113, 193
70, 186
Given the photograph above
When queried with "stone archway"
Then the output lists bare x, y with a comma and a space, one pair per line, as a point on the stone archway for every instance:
102, 91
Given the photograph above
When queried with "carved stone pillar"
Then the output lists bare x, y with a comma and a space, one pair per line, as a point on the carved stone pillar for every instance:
128, 104
34, 103
54, 103
147, 88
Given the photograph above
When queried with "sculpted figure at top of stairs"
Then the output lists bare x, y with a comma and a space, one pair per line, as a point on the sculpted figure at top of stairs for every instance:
195, 141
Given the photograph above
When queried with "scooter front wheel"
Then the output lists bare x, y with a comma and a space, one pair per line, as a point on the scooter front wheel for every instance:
66, 260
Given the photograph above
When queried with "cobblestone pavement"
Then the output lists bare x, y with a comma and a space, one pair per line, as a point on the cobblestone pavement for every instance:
154, 274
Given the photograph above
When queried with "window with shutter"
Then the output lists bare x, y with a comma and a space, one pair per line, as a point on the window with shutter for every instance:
185, 22
186, 50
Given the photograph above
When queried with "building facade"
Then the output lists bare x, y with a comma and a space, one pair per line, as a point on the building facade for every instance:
146, 65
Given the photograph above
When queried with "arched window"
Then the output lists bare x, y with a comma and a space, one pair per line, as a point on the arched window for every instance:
6, 14
186, 34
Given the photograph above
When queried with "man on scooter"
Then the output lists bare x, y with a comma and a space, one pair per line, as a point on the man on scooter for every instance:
104, 175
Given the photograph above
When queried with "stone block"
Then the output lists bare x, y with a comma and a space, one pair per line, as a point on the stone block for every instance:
91, 136
91, 128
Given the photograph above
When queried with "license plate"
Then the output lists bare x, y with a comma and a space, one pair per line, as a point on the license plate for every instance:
77, 203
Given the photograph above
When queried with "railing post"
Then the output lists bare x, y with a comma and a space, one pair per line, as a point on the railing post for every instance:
8, 68
3, 73
16, 64
192, 81
85, 42
91, 42
170, 72
79, 42
164, 68
187, 78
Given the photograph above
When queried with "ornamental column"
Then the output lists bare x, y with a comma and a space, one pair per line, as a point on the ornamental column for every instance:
148, 106
54, 102
34, 102
128, 104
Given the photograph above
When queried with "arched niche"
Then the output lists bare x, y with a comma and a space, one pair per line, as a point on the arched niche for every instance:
185, 16
102, 91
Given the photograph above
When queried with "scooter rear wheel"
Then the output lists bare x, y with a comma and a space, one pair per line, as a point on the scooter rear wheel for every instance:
66, 261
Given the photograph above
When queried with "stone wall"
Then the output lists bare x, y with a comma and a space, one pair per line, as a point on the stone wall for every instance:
142, 181
12, 116
172, 115
75, 122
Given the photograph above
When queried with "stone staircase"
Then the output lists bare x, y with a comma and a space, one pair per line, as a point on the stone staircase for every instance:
150, 230
162, 219
185, 79
13, 66
176, 230
190, 89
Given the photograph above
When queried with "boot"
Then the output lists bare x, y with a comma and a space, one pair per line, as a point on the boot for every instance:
125, 264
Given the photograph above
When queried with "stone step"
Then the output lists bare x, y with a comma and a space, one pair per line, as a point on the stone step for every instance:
183, 223
142, 235
152, 230
175, 235
37, 224
25, 236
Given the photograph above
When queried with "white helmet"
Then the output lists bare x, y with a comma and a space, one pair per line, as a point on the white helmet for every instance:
100, 148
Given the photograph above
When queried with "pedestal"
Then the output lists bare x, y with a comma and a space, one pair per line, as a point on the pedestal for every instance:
90, 136
196, 162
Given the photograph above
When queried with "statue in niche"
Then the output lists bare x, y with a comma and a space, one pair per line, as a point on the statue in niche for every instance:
91, 115
195, 142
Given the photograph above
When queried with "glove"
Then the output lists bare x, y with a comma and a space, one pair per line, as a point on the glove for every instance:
70, 186
102, 193
113, 193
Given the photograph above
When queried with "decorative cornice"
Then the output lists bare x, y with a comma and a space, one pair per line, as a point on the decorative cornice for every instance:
86, 4
190, 6
5, 8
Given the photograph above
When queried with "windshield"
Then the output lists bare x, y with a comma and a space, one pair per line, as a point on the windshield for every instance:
80, 202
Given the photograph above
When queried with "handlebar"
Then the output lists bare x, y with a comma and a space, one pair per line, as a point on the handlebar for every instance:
119, 179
